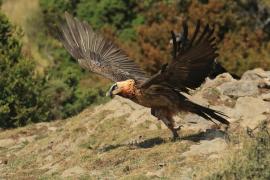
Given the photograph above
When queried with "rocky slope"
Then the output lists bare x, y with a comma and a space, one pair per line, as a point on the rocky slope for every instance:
122, 139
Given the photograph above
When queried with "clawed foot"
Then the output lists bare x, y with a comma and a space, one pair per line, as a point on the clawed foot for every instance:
177, 128
175, 133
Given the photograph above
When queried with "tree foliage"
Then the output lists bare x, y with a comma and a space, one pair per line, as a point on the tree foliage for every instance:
122, 16
142, 28
241, 27
54, 9
20, 98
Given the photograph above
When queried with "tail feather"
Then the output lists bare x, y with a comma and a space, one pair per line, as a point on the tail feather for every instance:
207, 113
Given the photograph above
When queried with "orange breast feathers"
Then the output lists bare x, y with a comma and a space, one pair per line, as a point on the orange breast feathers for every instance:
127, 88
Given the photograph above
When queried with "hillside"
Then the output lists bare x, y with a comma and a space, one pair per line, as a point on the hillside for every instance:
122, 139
27, 16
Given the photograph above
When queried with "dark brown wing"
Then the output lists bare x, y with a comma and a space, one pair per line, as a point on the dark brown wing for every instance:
192, 60
95, 53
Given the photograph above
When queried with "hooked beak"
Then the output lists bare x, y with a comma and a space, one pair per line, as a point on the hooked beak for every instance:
113, 90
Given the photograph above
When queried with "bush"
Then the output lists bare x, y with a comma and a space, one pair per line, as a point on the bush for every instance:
252, 162
25, 97
20, 89
241, 27
66, 95
143, 28
53, 10
121, 16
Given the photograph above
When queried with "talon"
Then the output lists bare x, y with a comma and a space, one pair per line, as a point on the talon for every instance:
177, 128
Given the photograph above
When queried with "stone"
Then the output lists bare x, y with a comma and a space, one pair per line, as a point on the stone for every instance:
220, 79
249, 107
7, 142
266, 97
255, 75
155, 174
195, 122
253, 122
74, 171
206, 147
239, 88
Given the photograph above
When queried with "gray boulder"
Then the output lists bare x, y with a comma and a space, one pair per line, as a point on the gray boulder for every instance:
239, 88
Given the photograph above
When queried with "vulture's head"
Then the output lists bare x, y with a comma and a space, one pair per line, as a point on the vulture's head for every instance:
122, 88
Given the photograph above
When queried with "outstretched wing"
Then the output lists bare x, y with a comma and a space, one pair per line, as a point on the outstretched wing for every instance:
95, 53
192, 60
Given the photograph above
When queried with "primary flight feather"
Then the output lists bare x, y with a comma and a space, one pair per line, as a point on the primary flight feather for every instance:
192, 61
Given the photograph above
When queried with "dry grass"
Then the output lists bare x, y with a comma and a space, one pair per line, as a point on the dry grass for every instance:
248, 158
102, 146
98, 144
19, 11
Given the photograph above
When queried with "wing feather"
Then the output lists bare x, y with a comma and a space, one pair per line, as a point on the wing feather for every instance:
197, 60
96, 53
192, 62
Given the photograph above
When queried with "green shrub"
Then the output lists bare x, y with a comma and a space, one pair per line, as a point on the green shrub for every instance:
20, 89
53, 10
122, 16
67, 97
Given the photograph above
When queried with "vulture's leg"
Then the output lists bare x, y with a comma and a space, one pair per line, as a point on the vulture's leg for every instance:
169, 122
166, 117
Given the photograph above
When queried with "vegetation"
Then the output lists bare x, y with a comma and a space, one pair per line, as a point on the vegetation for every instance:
102, 146
250, 163
107, 144
142, 30
21, 101
28, 96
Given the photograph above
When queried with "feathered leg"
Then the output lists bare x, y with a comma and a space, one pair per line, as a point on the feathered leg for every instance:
169, 122
166, 117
